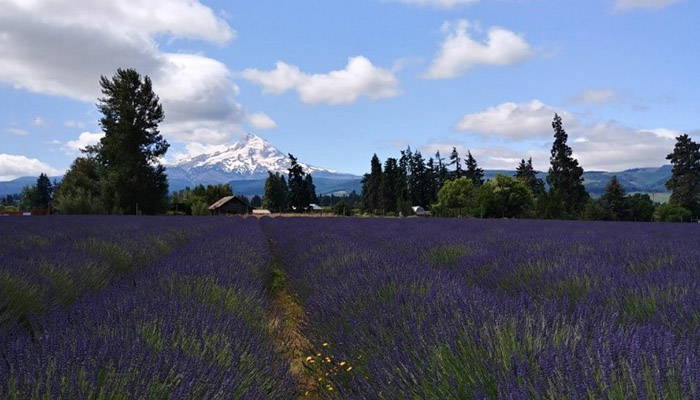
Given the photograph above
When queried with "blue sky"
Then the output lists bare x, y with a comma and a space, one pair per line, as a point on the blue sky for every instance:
335, 81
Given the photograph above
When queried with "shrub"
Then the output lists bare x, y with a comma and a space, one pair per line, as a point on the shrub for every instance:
672, 213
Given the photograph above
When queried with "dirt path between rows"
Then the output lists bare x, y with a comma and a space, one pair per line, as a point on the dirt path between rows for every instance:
287, 318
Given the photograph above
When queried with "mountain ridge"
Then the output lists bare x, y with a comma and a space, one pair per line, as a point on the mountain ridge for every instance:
245, 165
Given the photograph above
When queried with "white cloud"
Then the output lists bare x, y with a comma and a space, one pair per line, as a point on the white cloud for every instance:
84, 139
598, 145
611, 146
438, 3
514, 120
460, 52
261, 121
62, 47
622, 5
39, 121
17, 131
597, 96
359, 78
13, 166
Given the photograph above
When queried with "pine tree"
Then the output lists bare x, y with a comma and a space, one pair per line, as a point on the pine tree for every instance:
613, 200
309, 190
442, 172
298, 192
418, 187
526, 173
457, 163
43, 194
431, 180
391, 184
256, 201
565, 175
685, 180
372, 187
133, 180
473, 171
276, 192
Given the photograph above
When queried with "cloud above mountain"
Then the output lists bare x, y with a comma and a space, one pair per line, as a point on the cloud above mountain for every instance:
62, 47
13, 166
599, 145
359, 78
518, 121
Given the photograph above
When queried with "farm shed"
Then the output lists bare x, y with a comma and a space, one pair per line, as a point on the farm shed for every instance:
315, 208
230, 205
261, 212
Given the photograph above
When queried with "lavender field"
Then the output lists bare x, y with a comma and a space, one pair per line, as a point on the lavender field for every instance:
335, 308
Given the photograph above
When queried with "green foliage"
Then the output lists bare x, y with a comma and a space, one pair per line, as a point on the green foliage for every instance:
342, 208
302, 190
132, 179
565, 175
19, 300
372, 188
457, 163
27, 198
640, 207
505, 197
473, 171
685, 181
613, 201
77, 200
445, 255
457, 197
276, 194
200, 208
593, 211
44, 192
393, 186
672, 213
527, 174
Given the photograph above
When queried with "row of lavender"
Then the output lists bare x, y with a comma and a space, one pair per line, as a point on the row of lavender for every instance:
191, 325
456, 309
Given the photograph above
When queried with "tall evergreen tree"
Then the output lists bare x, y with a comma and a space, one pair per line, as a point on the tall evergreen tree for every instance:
43, 194
685, 180
391, 186
442, 172
133, 179
372, 187
298, 191
309, 190
473, 171
275, 198
418, 188
431, 180
613, 201
457, 163
565, 175
526, 173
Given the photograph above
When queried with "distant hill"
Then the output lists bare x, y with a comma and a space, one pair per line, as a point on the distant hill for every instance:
245, 165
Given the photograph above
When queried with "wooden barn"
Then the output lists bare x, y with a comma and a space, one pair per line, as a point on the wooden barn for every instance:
230, 205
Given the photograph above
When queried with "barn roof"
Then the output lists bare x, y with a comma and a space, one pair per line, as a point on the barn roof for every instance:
223, 201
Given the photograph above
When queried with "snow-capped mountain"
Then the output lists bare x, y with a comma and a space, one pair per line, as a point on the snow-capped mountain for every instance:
248, 159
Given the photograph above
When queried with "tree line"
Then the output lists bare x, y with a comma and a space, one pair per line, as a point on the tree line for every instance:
456, 187
295, 193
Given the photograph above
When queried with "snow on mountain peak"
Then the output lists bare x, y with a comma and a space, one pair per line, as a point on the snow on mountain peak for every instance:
250, 158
